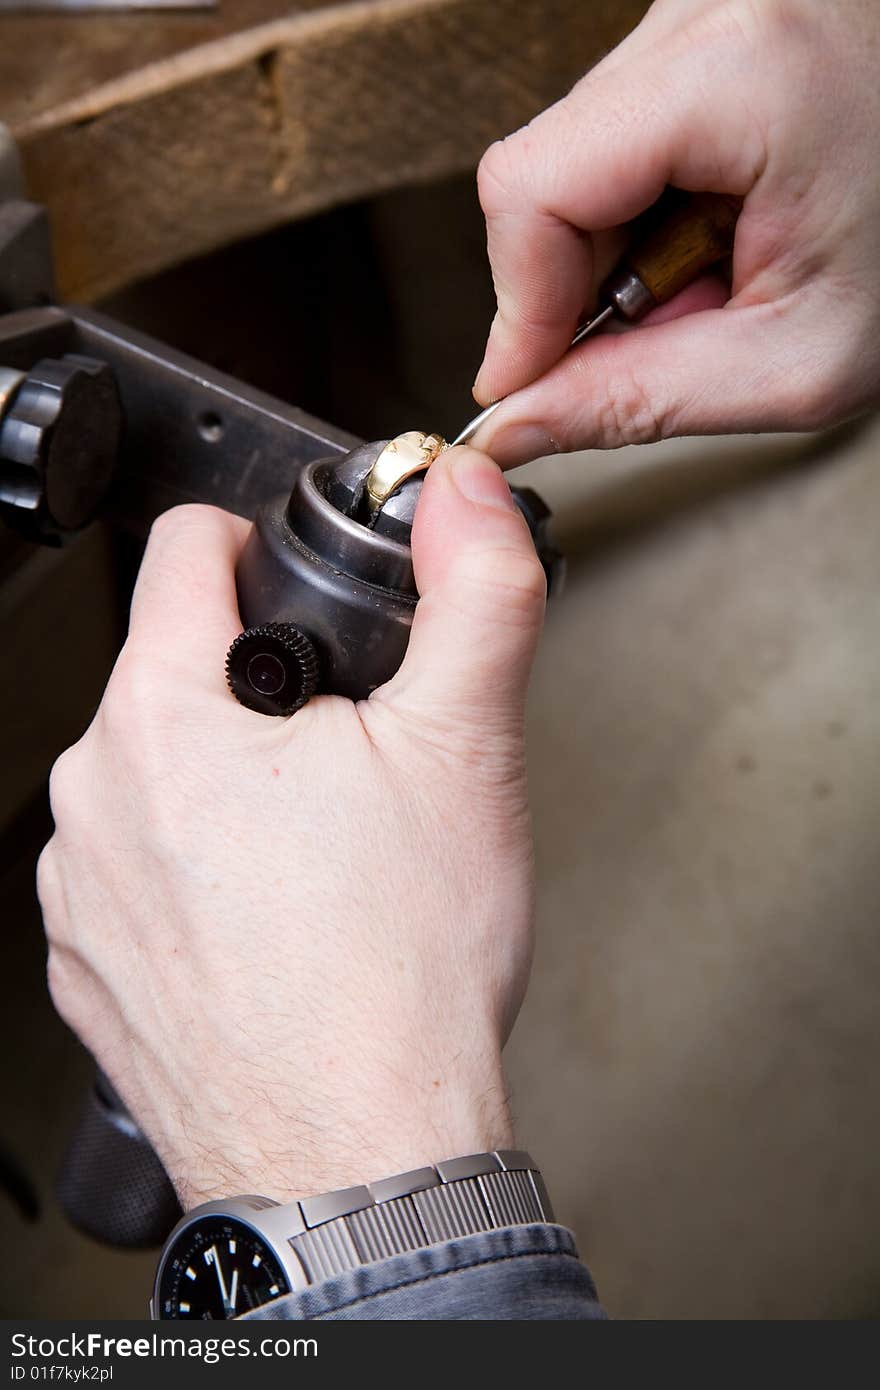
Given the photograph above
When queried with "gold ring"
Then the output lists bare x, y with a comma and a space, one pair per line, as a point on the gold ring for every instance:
402, 457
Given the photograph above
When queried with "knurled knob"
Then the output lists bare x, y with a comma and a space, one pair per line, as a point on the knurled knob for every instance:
59, 439
272, 669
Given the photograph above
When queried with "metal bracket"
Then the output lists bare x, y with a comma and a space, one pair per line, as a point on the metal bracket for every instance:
191, 434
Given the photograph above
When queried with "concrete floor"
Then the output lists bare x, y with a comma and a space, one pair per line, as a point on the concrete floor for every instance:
695, 1066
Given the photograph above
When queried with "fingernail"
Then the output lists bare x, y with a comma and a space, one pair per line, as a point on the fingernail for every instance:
520, 444
480, 480
480, 380
476, 389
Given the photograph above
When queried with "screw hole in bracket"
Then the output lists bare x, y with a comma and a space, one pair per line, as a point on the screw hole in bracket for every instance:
210, 427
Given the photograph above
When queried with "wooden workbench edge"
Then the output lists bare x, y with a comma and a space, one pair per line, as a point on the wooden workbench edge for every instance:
238, 135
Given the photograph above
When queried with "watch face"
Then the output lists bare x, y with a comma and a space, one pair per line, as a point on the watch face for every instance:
218, 1268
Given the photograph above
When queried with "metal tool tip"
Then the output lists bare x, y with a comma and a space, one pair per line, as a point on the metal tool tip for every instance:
471, 428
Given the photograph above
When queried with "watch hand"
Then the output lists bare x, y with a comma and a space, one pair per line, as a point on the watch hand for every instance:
222, 1282
233, 1291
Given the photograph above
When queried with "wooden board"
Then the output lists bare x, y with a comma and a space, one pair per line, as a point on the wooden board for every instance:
293, 116
49, 59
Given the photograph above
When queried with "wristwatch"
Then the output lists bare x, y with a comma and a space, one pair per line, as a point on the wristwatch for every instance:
228, 1257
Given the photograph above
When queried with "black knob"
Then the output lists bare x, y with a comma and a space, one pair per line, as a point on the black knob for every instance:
272, 669
59, 441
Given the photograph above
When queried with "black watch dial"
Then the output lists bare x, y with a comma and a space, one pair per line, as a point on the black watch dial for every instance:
218, 1268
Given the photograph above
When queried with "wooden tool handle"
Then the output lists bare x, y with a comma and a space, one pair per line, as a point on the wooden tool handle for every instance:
687, 241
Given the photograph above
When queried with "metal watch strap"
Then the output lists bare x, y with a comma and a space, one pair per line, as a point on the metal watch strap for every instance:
461, 1197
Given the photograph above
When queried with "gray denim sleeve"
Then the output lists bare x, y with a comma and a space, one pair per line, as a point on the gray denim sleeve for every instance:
518, 1273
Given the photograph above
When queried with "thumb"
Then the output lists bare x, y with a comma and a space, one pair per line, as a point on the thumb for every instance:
720, 371
482, 593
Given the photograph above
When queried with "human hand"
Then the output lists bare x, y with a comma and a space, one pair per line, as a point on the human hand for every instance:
296, 947
777, 102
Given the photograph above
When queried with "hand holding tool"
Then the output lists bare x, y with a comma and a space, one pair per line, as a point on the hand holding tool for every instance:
696, 234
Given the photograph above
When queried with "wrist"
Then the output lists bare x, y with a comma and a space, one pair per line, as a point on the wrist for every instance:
239, 1254
304, 1146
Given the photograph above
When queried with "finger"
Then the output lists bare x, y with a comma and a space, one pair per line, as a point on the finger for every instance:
716, 372
482, 598
542, 268
594, 161
546, 283
184, 610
